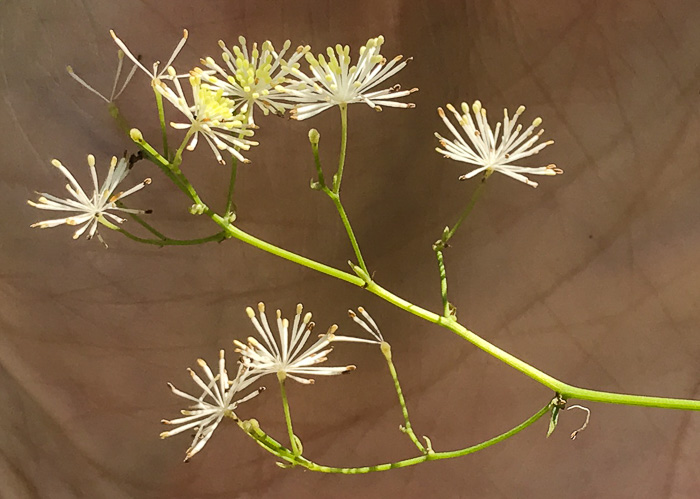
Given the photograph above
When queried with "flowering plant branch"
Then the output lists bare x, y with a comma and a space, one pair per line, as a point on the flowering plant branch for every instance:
221, 112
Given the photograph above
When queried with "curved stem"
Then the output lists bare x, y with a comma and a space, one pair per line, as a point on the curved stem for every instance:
277, 449
218, 237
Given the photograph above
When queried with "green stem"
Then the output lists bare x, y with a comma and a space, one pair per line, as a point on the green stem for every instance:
566, 390
407, 428
118, 118
166, 241
281, 377
467, 209
440, 245
277, 449
348, 228
443, 283
231, 185
338, 177
161, 118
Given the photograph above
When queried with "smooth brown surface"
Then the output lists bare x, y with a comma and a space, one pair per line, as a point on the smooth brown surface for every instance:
593, 277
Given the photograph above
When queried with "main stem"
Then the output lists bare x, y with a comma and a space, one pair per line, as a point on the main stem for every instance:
567, 391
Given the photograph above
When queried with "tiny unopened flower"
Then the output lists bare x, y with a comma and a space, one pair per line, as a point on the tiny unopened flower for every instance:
211, 114
114, 95
90, 211
335, 81
253, 78
285, 353
368, 325
215, 402
494, 150
155, 73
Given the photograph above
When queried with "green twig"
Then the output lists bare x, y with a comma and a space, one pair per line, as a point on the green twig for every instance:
277, 449
163, 127
218, 237
407, 428
281, 377
440, 245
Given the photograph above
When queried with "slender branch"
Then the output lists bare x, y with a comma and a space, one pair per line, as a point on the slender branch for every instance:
446, 311
231, 185
161, 118
338, 177
440, 245
334, 192
218, 237
348, 228
281, 377
407, 428
277, 449
118, 118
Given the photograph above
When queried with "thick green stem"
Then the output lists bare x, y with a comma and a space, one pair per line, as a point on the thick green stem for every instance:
277, 449
281, 377
407, 428
566, 390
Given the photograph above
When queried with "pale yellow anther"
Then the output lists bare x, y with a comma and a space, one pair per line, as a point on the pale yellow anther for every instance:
113, 162
261, 307
250, 313
91, 160
537, 122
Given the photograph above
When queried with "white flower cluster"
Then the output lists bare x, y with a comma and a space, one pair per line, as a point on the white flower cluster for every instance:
284, 355
224, 96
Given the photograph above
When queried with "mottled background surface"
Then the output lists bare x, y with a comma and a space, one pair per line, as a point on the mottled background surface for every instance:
592, 277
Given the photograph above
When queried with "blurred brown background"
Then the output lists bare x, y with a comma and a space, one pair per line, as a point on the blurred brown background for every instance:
592, 277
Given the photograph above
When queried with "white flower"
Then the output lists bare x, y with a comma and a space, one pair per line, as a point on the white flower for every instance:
368, 325
335, 82
253, 77
483, 149
211, 113
154, 74
91, 210
114, 95
287, 355
205, 415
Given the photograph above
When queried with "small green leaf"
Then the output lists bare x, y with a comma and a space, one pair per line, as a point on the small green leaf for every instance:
553, 420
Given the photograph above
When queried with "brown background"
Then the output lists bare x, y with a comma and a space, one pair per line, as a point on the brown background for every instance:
592, 277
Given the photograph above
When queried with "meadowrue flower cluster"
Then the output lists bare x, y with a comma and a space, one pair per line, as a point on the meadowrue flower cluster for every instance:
285, 355
218, 103
221, 102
